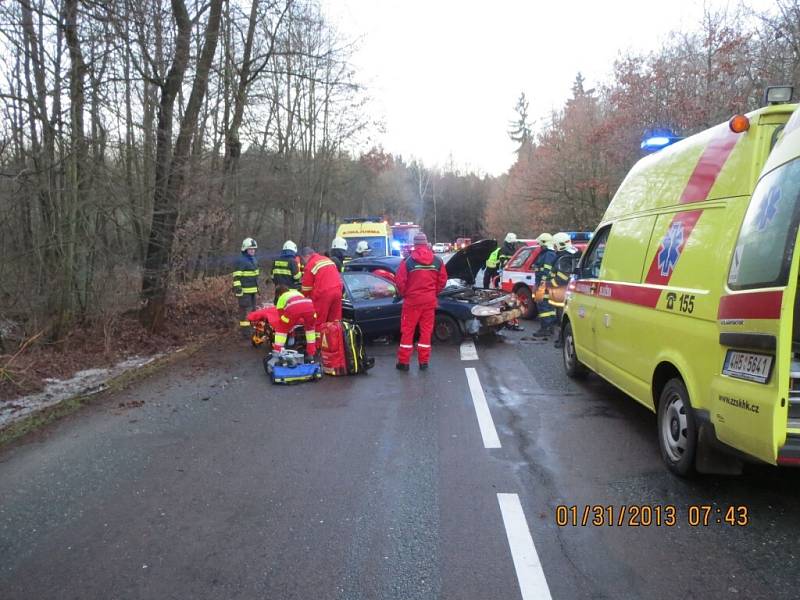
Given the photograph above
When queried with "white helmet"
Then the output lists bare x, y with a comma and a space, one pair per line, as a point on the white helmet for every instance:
339, 243
511, 238
248, 243
561, 241
290, 245
362, 247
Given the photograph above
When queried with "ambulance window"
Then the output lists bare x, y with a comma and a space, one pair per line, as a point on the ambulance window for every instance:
775, 135
763, 253
593, 259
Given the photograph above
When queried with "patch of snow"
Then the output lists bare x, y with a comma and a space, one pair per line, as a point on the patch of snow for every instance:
90, 381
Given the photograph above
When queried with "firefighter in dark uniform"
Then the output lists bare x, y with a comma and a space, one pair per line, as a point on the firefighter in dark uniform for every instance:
245, 283
566, 254
285, 269
547, 314
338, 253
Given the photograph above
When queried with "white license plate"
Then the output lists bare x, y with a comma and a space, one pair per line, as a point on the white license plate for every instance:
748, 365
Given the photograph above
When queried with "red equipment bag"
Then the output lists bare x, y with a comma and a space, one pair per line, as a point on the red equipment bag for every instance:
334, 361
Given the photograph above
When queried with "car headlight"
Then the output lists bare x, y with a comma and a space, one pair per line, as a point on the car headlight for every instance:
485, 311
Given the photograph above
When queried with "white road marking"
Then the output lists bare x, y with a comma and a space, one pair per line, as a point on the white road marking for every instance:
532, 583
468, 350
488, 431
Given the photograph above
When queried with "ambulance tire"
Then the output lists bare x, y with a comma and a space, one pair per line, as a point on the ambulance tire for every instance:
526, 299
677, 429
575, 369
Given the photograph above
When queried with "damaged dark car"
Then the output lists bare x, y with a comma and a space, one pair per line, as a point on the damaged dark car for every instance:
371, 300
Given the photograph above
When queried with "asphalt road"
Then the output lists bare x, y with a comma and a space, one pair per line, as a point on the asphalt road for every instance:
205, 481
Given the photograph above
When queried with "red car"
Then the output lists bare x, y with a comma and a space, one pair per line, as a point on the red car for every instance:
518, 277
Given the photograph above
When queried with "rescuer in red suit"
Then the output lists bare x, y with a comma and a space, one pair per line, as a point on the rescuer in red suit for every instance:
420, 279
293, 309
323, 284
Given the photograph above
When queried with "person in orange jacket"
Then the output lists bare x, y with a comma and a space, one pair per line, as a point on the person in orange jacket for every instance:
293, 309
420, 279
323, 284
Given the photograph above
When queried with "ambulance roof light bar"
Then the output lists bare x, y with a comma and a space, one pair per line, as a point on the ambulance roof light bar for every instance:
778, 94
659, 141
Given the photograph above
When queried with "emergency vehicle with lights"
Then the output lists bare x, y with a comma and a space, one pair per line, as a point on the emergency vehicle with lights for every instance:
383, 239
686, 297
518, 276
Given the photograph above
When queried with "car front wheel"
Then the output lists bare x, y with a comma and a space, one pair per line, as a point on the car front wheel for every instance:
525, 298
446, 330
575, 369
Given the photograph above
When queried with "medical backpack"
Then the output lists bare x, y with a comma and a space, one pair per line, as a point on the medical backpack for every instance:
343, 351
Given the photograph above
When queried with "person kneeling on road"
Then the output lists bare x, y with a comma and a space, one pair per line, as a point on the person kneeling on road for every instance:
293, 309
420, 279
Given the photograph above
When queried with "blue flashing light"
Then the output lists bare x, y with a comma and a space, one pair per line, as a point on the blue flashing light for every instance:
396, 245
656, 142
657, 139
580, 236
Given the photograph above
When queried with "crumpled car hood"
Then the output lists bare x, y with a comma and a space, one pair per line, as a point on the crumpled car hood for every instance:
466, 263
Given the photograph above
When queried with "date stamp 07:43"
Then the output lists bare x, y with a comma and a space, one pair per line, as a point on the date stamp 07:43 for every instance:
651, 515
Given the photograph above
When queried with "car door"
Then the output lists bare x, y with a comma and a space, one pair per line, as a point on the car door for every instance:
371, 302
583, 303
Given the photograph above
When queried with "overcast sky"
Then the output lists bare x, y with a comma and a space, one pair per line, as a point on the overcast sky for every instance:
444, 75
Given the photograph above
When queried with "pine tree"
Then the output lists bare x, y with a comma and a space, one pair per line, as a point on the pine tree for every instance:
520, 128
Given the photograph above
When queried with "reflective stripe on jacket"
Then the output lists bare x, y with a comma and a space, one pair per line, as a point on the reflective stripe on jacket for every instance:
421, 277
245, 277
293, 302
320, 275
285, 270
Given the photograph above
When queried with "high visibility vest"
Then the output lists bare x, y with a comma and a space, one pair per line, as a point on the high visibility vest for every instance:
494, 258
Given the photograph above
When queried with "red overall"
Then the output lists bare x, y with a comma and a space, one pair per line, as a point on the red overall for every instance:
420, 279
323, 284
293, 309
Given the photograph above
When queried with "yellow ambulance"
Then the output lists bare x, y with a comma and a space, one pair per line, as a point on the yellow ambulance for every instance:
685, 298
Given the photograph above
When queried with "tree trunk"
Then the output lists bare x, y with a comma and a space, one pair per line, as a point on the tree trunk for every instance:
171, 175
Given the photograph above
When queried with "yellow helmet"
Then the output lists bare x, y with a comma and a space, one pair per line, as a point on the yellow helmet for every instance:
545, 239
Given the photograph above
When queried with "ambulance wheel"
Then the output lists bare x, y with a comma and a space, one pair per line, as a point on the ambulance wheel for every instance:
677, 430
445, 330
574, 368
526, 300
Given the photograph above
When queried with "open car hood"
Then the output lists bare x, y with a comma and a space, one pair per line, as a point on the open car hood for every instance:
466, 263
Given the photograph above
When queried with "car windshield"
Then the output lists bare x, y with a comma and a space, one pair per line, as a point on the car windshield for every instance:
763, 253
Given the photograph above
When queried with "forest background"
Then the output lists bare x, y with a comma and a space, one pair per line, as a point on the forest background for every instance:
141, 140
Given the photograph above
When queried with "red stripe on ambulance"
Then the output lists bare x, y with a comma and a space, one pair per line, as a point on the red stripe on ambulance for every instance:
660, 272
708, 168
751, 305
